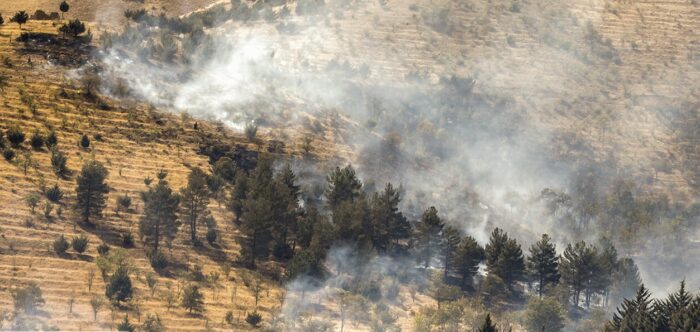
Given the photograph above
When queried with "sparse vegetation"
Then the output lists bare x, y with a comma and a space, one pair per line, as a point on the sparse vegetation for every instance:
79, 244
60, 245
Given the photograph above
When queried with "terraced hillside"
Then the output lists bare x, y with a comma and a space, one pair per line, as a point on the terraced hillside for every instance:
133, 143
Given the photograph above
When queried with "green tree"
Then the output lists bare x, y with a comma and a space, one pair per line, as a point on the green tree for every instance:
15, 136
581, 269
544, 314
58, 162
192, 299
388, 222
504, 257
159, 220
74, 28
450, 241
96, 303
238, 195
51, 139
36, 141
626, 280
20, 18
543, 263
119, 288
343, 185
467, 259
32, 201
673, 313
64, 7
636, 314
194, 200
428, 235
91, 190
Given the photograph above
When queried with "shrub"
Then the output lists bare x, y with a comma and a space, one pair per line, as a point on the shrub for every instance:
544, 314
124, 201
74, 27
79, 244
27, 299
251, 131
229, 317
84, 142
60, 245
58, 162
15, 136
192, 299
196, 274
8, 154
125, 326
152, 324
158, 260
253, 319
36, 141
119, 288
103, 249
54, 194
51, 139
127, 240
211, 236
32, 201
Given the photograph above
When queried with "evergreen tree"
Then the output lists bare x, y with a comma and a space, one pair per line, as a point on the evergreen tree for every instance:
238, 195
672, 312
488, 325
20, 18
58, 162
353, 223
286, 205
388, 222
226, 169
504, 257
451, 239
343, 185
91, 190
192, 299
51, 139
119, 287
159, 218
493, 249
545, 315
634, 315
467, 259
543, 263
626, 280
582, 270
194, 200
610, 265
428, 235
64, 7
258, 215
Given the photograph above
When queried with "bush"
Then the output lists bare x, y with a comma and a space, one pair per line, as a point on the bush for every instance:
79, 244
84, 142
119, 288
36, 141
51, 139
229, 317
60, 245
54, 194
196, 274
192, 299
253, 319
127, 240
211, 236
15, 136
27, 299
58, 162
544, 314
124, 201
8, 154
152, 324
158, 260
125, 326
103, 249
32, 201
74, 27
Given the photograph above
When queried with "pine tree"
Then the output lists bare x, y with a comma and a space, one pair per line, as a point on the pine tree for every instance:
194, 200
353, 223
20, 18
467, 259
286, 206
634, 315
159, 219
91, 190
428, 235
388, 222
258, 213
343, 185
504, 257
238, 195
610, 265
488, 325
119, 287
192, 299
672, 312
543, 263
626, 280
451, 239
493, 249
582, 270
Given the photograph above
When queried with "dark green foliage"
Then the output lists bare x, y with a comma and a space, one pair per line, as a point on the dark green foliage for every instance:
8, 154
158, 260
119, 287
125, 326
451, 239
51, 139
15, 136
225, 169
677, 312
238, 195
36, 141
634, 315
124, 202
20, 18
504, 258
103, 249
27, 299
304, 263
428, 236
488, 326
84, 141
211, 236
60, 245
58, 162
192, 299
159, 220
253, 319
581, 269
54, 193
196, 274
343, 185
194, 200
467, 259
127, 240
64, 7
74, 28
353, 224
79, 244
91, 190
543, 263
388, 223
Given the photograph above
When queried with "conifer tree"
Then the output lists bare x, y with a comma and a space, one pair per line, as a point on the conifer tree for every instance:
64, 7
194, 200
388, 222
91, 190
636, 314
581, 269
493, 249
428, 235
192, 299
343, 185
257, 216
20, 18
451, 239
626, 280
543, 263
467, 259
238, 195
504, 257
119, 287
159, 220
671, 313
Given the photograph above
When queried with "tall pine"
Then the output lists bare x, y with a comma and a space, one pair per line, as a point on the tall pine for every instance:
543, 263
159, 220
428, 235
91, 190
194, 200
467, 259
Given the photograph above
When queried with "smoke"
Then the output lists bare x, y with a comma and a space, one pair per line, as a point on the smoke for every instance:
477, 131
